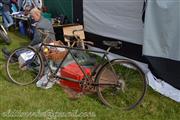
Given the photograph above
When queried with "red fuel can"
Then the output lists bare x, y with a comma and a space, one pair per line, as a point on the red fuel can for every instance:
73, 71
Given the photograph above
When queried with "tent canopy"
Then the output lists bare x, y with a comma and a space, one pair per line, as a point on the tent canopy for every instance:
158, 36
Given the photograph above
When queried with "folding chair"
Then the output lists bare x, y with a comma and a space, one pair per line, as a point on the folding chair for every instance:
74, 35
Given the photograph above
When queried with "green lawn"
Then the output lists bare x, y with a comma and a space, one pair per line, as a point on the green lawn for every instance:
32, 103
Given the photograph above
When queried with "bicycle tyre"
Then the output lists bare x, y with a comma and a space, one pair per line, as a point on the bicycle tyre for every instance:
28, 72
5, 37
127, 91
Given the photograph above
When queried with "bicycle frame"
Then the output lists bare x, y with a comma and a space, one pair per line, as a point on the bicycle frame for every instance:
69, 51
104, 60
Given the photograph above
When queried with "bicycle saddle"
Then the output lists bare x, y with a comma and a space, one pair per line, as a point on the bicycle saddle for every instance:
115, 44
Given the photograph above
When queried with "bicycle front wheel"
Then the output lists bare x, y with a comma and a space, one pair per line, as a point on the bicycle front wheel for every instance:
24, 66
121, 84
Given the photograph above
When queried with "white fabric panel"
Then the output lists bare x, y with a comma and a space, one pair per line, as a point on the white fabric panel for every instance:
156, 84
119, 19
163, 87
162, 34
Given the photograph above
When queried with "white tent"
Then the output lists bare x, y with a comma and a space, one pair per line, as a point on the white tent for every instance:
158, 36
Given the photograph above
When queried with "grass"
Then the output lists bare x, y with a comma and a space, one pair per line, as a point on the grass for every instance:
33, 103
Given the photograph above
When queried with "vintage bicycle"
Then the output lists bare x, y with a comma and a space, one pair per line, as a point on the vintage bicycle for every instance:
119, 83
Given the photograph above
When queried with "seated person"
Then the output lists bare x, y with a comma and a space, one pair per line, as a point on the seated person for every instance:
7, 18
42, 23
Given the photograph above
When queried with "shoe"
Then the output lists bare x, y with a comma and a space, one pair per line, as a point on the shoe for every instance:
6, 54
5, 51
13, 60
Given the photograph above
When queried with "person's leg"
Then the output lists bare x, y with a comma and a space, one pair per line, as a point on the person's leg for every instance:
5, 22
9, 20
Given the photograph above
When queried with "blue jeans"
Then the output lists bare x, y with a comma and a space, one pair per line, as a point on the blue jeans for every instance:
7, 19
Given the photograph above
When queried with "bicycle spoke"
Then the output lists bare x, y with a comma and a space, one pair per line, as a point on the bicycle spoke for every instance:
24, 73
129, 84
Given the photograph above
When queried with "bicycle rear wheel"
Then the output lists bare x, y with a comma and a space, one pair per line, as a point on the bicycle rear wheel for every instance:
24, 66
121, 84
